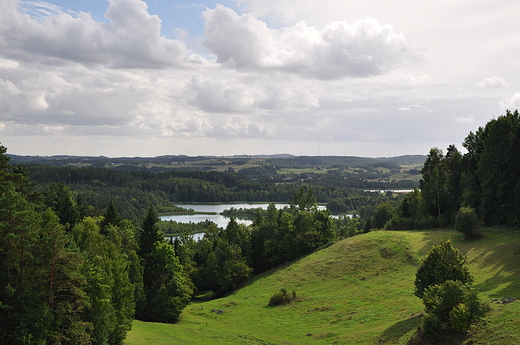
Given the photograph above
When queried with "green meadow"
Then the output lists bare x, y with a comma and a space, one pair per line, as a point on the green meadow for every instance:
357, 291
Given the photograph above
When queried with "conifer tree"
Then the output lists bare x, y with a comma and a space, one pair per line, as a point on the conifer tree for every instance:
166, 286
110, 217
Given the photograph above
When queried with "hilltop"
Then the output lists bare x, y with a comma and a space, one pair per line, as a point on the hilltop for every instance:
357, 291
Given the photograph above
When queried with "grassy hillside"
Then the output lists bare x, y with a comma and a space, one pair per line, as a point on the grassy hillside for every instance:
358, 291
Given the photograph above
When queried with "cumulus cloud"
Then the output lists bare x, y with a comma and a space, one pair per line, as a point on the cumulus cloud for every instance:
362, 49
130, 39
287, 97
493, 83
464, 120
9, 64
235, 127
68, 98
511, 103
15, 102
411, 79
411, 107
217, 95
243, 96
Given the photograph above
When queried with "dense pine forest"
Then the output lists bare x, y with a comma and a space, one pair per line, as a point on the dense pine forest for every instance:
82, 253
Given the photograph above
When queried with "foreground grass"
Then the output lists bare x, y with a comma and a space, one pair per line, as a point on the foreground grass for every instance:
358, 291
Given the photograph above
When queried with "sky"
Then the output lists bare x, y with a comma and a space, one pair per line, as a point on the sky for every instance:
373, 78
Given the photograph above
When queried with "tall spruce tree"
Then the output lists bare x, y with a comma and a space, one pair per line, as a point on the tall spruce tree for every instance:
166, 285
434, 182
149, 233
110, 217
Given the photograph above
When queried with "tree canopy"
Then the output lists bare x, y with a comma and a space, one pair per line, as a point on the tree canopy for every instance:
443, 262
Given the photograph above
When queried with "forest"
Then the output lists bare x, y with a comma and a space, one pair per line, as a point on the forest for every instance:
82, 253
133, 191
80, 279
485, 180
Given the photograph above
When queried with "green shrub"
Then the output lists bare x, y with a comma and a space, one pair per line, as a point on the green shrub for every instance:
467, 222
451, 307
431, 326
282, 298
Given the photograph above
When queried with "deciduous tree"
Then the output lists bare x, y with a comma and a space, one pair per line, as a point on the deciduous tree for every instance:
443, 262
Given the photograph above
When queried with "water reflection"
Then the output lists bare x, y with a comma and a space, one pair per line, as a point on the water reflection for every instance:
219, 220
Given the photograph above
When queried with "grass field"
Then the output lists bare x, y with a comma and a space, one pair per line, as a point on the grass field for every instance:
358, 291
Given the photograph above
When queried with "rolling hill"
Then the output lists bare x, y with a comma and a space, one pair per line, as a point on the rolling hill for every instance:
357, 291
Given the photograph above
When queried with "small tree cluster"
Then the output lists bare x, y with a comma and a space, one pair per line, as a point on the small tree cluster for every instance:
444, 285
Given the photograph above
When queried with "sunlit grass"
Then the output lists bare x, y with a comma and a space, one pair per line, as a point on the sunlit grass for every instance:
358, 291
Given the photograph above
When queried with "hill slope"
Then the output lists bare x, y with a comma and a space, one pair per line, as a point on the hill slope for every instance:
358, 291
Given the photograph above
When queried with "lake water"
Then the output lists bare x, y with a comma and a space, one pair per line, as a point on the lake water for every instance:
218, 219
389, 190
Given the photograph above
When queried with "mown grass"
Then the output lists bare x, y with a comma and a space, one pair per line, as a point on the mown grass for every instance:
358, 291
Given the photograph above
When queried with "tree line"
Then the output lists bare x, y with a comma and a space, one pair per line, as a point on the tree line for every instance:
482, 183
133, 191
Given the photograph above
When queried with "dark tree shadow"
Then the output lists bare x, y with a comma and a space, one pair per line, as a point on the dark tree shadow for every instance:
399, 329
395, 332
491, 256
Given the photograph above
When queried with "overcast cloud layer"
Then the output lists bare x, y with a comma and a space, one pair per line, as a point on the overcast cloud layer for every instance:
369, 78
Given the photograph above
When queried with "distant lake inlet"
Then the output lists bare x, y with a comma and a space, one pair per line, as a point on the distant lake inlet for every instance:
220, 220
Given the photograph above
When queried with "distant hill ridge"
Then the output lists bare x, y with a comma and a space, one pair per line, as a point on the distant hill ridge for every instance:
275, 159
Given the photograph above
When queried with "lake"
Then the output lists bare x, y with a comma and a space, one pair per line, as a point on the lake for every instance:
218, 219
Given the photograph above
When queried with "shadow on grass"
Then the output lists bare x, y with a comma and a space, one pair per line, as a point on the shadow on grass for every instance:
395, 332
399, 329
498, 251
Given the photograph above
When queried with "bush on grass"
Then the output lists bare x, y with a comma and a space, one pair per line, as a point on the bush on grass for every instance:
467, 222
282, 298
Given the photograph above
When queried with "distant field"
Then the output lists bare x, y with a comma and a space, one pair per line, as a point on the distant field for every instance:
358, 291
304, 171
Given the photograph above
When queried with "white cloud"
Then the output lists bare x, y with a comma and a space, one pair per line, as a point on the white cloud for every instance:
464, 120
411, 107
218, 95
362, 49
131, 39
9, 64
236, 95
39, 103
53, 129
409, 78
493, 83
284, 96
511, 103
